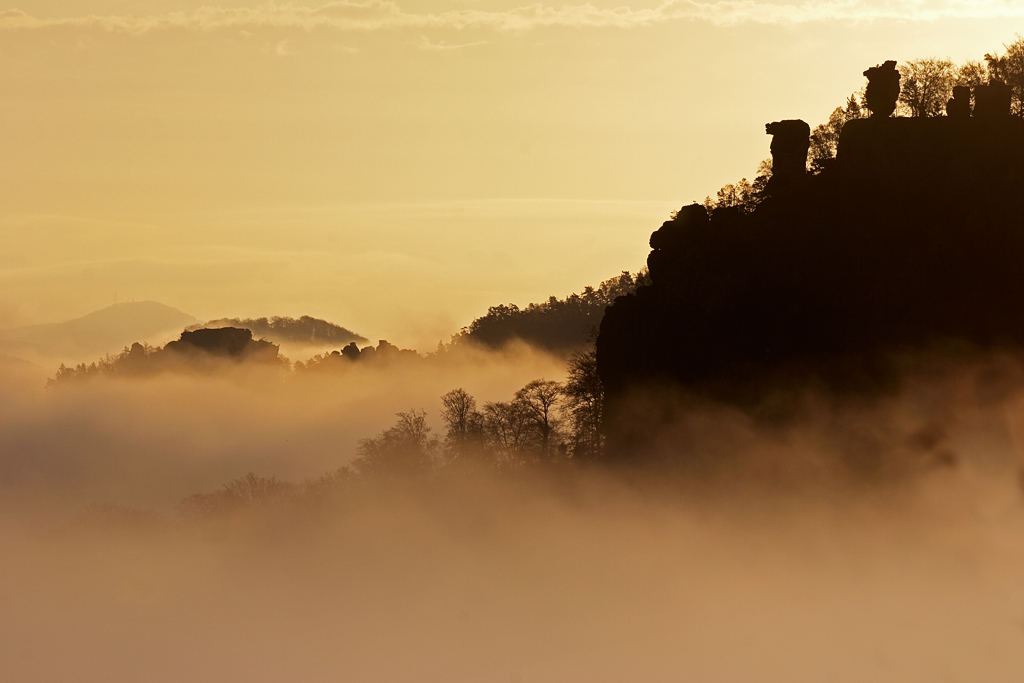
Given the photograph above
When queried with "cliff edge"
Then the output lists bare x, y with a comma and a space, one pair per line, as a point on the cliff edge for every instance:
913, 238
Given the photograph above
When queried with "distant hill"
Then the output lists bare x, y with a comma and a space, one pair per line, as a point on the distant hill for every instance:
304, 331
108, 330
21, 374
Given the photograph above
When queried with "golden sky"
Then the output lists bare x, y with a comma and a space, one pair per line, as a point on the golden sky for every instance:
396, 167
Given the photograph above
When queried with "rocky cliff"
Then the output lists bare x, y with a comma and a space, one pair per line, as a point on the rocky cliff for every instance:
913, 238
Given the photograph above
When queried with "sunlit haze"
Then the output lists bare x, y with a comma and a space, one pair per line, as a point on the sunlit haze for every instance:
394, 168
470, 341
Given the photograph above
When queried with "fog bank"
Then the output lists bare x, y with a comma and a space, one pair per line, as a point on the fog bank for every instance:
789, 566
149, 442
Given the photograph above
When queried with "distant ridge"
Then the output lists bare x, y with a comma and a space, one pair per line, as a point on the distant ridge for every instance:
15, 362
306, 330
107, 330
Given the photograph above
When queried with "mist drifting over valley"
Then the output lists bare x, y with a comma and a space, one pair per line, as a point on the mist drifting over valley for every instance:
384, 411
785, 565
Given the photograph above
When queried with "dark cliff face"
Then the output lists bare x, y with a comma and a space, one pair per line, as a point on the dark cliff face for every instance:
914, 237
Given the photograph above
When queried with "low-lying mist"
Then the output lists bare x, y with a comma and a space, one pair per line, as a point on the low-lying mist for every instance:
149, 441
778, 556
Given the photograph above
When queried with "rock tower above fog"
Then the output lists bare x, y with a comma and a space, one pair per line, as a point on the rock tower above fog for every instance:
883, 89
912, 238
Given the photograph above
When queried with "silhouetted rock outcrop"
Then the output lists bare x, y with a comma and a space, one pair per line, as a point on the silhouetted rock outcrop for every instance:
912, 239
384, 354
223, 342
959, 106
790, 141
883, 89
992, 101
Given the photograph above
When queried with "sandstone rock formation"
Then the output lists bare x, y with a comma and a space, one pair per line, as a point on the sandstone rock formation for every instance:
790, 141
223, 342
883, 89
959, 106
913, 238
992, 101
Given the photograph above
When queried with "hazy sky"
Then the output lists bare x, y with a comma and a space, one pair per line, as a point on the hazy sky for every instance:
398, 166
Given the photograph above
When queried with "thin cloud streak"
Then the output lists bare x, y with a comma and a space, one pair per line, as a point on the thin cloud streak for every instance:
372, 15
424, 44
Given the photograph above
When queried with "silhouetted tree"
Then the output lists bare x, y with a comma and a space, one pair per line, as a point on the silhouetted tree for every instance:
541, 398
405, 449
330, 483
584, 405
559, 325
1009, 68
134, 360
464, 433
825, 137
743, 195
925, 86
238, 493
509, 428
971, 73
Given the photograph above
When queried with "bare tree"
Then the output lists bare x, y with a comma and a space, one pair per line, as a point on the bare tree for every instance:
242, 492
1009, 68
584, 404
509, 429
971, 73
464, 423
541, 398
926, 85
403, 449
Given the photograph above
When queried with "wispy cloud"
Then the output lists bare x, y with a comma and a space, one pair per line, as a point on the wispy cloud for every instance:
347, 15
424, 43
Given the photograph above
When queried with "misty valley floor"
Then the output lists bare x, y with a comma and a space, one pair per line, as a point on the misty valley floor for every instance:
531, 583
567, 575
